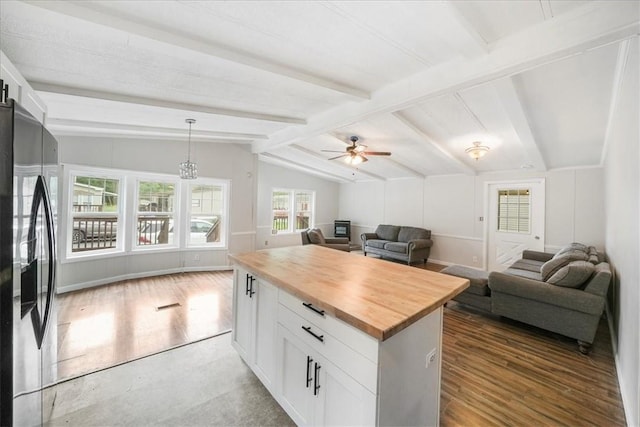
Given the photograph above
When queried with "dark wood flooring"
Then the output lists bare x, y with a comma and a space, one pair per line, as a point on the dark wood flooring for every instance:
494, 371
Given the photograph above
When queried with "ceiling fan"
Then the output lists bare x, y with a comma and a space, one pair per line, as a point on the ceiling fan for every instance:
355, 152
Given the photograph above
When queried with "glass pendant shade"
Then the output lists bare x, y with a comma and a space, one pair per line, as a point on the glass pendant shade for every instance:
477, 150
188, 169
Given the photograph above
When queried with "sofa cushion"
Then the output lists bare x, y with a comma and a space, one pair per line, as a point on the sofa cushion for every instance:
315, 236
593, 255
550, 267
573, 247
411, 233
478, 279
388, 232
527, 265
572, 275
377, 243
399, 247
533, 275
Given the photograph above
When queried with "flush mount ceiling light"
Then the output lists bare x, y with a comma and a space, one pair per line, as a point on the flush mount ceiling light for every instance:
188, 169
477, 150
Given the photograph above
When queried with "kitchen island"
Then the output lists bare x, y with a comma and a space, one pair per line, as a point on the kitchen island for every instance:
342, 339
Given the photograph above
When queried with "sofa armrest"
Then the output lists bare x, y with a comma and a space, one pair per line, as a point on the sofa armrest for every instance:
337, 240
365, 236
420, 244
536, 255
573, 299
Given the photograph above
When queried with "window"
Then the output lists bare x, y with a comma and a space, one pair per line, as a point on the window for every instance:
94, 215
288, 218
207, 216
156, 212
514, 210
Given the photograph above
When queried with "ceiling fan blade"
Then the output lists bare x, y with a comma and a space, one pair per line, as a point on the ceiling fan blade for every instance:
364, 159
337, 157
332, 151
376, 153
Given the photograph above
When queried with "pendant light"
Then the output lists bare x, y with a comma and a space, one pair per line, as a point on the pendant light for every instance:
188, 169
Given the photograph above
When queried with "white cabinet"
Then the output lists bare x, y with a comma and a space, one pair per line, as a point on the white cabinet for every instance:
315, 391
255, 304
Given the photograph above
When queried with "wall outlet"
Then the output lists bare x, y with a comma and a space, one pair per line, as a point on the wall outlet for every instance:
475, 259
431, 357
196, 257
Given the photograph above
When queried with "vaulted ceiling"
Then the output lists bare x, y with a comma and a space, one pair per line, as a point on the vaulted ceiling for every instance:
535, 81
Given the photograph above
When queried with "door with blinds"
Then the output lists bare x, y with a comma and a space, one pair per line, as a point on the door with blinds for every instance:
515, 221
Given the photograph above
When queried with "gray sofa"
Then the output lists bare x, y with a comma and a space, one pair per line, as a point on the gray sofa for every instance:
408, 244
564, 292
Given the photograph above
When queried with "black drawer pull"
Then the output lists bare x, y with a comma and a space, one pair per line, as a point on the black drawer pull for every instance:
318, 337
246, 285
311, 307
251, 291
316, 382
309, 379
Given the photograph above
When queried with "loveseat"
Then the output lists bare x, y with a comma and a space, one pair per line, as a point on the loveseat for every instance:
409, 244
564, 292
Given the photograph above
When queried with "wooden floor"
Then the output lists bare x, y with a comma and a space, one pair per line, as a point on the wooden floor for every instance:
494, 371
119, 322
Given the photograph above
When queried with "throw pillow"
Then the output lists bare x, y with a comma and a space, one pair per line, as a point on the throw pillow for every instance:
315, 236
593, 255
572, 275
550, 267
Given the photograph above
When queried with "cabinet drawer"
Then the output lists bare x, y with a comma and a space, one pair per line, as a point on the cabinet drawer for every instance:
350, 336
322, 341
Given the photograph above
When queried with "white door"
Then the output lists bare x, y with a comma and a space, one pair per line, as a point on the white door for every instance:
515, 221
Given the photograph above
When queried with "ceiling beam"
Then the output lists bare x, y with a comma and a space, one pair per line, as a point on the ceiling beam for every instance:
592, 25
429, 142
100, 15
111, 128
272, 158
618, 78
338, 164
457, 31
153, 102
518, 119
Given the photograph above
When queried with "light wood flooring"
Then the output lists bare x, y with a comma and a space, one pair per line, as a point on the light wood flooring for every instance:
494, 371
104, 326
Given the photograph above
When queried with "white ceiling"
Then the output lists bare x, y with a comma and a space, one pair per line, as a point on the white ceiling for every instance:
535, 81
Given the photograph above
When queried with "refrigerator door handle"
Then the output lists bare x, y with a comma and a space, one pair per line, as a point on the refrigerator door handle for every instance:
40, 195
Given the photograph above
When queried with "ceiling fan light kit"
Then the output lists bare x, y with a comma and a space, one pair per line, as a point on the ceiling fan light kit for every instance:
477, 150
355, 152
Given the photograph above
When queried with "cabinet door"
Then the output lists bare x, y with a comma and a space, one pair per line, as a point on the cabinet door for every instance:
342, 401
295, 377
266, 322
242, 314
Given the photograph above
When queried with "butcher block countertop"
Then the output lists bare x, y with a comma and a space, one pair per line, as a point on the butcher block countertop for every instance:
376, 296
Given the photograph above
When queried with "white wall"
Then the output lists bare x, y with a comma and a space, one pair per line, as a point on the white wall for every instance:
622, 239
451, 207
225, 161
326, 203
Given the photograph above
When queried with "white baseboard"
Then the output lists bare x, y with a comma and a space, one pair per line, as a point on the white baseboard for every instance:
626, 404
106, 281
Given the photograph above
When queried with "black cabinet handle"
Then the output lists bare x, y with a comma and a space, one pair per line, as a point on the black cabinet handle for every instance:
309, 379
311, 307
251, 291
246, 285
316, 382
318, 337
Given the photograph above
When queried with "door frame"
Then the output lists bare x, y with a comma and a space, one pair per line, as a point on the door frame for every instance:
486, 210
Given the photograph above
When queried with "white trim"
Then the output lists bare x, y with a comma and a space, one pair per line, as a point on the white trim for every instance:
243, 233
114, 279
437, 261
451, 236
570, 168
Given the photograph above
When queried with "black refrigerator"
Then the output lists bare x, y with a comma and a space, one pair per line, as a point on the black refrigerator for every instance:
28, 315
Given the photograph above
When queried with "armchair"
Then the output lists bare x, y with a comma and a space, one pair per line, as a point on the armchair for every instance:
314, 236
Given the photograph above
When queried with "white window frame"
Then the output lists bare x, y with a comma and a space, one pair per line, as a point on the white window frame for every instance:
164, 179
224, 221
292, 208
70, 175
